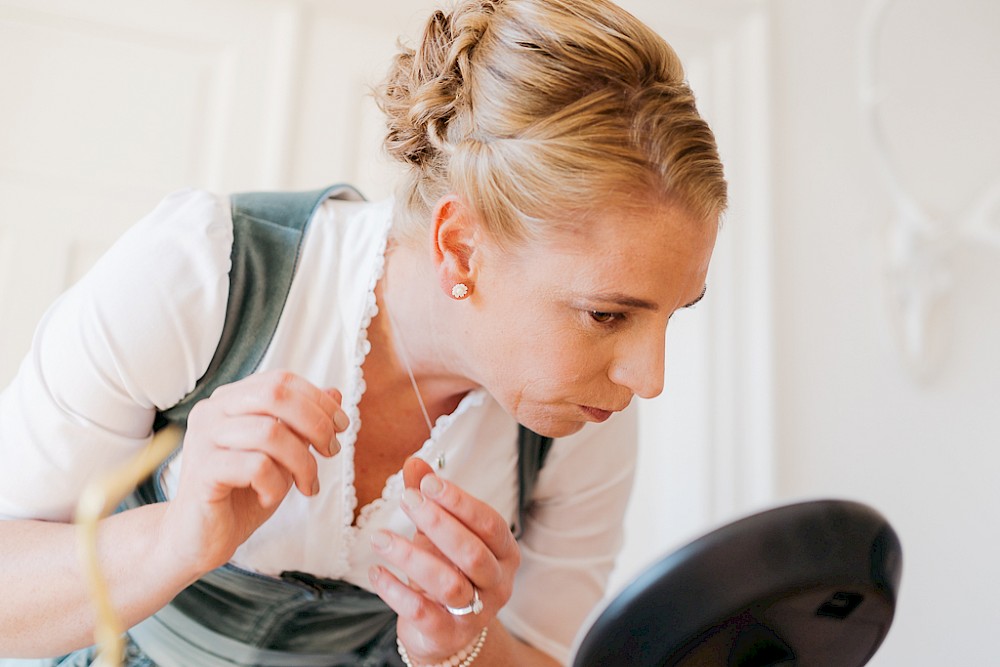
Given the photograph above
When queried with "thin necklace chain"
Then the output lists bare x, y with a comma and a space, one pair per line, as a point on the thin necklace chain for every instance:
409, 370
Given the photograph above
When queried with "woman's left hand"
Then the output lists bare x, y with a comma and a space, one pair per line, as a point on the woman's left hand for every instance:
460, 542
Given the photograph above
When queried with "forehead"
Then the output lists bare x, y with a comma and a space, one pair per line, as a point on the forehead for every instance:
655, 253
653, 234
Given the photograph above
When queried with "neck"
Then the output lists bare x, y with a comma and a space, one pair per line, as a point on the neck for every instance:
422, 338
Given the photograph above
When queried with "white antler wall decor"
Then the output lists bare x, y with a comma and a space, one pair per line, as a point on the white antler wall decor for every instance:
919, 246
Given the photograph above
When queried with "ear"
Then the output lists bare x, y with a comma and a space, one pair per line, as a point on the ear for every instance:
454, 235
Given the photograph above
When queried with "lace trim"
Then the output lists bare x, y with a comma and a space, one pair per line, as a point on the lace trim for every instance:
351, 403
429, 452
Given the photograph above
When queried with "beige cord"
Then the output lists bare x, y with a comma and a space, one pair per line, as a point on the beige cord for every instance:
100, 497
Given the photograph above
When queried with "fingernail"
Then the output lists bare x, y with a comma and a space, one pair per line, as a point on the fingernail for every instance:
431, 485
381, 541
412, 498
334, 446
315, 486
373, 574
340, 420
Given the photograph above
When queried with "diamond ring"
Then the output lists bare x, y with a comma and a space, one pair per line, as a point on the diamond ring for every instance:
474, 607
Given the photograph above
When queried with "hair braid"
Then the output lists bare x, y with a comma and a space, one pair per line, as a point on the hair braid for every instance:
533, 108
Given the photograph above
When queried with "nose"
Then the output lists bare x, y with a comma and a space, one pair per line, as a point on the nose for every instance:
639, 363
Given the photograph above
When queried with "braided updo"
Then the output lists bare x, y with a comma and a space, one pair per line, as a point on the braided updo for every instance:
530, 109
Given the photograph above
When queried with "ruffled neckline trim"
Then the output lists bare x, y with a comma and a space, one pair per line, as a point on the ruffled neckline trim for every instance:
353, 401
430, 451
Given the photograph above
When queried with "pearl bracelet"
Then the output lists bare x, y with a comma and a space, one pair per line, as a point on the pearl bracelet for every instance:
463, 658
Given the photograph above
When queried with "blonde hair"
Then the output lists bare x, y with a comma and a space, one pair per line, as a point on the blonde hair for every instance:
535, 109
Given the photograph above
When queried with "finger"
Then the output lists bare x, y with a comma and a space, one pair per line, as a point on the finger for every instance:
426, 570
332, 402
479, 517
424, 625
336, 396
429, 616
273, 438
314, 414
421, 541
414, 469
311, 424
230, 469
456, 542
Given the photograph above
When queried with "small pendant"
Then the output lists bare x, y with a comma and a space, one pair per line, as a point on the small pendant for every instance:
440, 461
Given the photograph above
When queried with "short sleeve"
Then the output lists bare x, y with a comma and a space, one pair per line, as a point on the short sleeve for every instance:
572, 534
133, 335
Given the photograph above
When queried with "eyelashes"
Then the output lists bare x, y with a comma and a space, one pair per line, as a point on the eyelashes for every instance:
605, 318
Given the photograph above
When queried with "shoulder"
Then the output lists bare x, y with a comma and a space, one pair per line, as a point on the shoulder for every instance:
353, 218
344, 248
188, 235
132, 335
195, 225
152, 307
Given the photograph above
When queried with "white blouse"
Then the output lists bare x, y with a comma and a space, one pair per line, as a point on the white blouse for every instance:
138, 330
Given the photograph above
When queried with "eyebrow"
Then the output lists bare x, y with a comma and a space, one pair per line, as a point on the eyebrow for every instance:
627, 301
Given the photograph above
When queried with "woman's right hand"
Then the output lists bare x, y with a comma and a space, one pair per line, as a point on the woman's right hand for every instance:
244, 448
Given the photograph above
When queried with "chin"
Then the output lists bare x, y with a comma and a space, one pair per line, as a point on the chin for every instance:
554, 428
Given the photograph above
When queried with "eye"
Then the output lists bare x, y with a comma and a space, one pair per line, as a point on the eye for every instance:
604, 318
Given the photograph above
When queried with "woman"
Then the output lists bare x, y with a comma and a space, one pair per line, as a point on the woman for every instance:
561, 202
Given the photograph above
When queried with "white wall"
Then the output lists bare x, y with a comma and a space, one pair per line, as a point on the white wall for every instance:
851, 420
107, 106
264, 101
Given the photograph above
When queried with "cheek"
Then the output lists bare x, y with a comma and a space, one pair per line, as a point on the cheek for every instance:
529, 345
550, 362
574, 361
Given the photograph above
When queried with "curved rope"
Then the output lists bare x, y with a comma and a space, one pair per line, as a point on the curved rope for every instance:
99, 499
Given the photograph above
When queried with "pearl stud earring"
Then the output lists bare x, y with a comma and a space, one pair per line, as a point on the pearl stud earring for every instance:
460, 291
